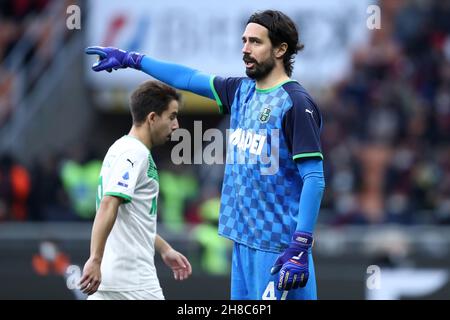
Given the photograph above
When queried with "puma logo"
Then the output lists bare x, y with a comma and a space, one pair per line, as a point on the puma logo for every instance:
309, 111
132, 163
298, 257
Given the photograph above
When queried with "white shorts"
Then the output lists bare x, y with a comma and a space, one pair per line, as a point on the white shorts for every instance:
147, 294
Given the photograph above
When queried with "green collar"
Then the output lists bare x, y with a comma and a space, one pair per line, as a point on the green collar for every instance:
274, 87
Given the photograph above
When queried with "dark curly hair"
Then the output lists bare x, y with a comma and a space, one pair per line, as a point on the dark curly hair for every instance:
281, 29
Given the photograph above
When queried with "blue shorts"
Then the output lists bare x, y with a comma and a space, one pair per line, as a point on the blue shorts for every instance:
251, 278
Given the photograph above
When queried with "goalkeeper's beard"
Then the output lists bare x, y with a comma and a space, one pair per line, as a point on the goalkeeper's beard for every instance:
260, 70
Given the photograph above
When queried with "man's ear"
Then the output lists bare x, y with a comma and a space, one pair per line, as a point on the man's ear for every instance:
151, 117
280, 50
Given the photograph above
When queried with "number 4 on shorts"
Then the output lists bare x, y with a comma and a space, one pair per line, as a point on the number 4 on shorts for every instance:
269, 293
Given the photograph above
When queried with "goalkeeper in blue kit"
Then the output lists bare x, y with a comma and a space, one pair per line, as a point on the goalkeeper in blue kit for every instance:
269, 214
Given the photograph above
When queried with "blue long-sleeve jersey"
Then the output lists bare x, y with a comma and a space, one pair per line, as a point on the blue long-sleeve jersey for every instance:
273, 181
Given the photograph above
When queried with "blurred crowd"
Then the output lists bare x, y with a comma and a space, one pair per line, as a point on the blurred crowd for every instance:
57, 187
386, 137
28, 41
387, 125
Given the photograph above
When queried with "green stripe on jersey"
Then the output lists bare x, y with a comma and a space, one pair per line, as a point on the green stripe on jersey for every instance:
125, 197
152, 171
308, 155
216, 95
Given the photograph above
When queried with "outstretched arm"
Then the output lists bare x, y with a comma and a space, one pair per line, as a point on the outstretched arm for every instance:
173, 259
103, 223
175, 75
178, 76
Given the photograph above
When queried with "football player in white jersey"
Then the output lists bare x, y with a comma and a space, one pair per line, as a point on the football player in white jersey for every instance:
124, 239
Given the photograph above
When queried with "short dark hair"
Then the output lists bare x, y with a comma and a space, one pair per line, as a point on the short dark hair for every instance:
151, 96
281, 29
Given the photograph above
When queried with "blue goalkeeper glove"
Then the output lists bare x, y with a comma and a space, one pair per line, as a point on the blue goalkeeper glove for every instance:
114, 58
293, 263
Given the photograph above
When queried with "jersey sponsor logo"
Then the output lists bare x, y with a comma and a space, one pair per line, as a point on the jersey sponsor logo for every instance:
264, 116
248, 140
261, 146
251, 148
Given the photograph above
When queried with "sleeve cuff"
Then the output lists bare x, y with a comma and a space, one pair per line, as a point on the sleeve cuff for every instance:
216, 96
308, 155
126, 198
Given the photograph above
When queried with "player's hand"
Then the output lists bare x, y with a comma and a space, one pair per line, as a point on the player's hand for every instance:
90, 281
178, 263
293, 263
113, 58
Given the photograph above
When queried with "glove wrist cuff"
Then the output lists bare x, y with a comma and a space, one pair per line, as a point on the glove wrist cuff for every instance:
303, 239
134, 59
